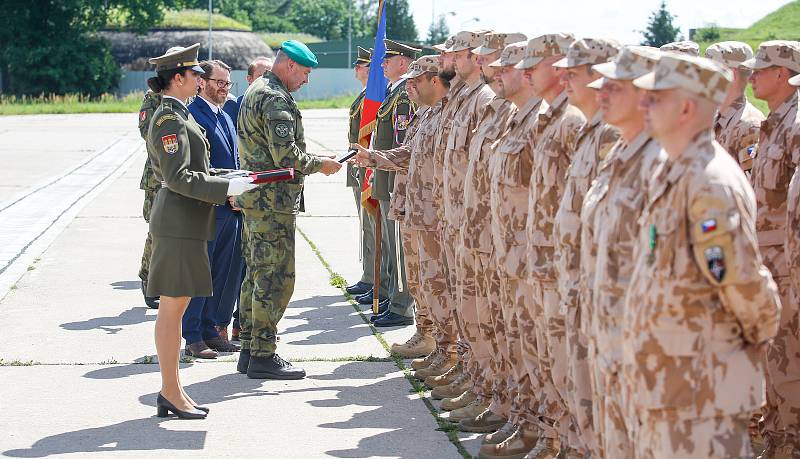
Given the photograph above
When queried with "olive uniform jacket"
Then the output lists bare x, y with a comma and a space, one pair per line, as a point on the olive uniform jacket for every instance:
355, 174
394, 116
178, 149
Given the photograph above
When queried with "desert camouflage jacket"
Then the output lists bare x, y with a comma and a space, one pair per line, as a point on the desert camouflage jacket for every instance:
737, 128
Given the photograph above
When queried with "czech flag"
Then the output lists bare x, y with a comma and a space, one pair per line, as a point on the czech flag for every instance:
373, 98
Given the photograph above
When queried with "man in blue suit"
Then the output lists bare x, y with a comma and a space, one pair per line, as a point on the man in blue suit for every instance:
254, 71
204, 315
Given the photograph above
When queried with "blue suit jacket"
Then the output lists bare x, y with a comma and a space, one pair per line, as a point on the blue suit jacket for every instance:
231, 107
224, 151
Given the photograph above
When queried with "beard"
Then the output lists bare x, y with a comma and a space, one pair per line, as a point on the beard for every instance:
447, 74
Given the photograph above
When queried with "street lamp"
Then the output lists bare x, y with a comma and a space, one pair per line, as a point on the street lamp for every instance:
210, 44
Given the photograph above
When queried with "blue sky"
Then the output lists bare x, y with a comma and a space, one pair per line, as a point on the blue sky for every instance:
614, 19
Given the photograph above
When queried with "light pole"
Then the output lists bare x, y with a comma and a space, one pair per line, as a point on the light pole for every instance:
210, 41
350, 33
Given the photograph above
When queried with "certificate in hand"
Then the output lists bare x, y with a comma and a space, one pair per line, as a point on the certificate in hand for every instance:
275, 175
347, 155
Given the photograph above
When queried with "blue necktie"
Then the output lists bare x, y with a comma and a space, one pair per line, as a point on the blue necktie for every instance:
228, 137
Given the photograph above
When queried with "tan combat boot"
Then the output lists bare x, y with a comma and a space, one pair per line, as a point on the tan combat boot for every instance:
418, 345
440, 366
452, 390
470, 411
546, 448
520, 443
418, 364
442, 380
500, 436
450, 404
572, 453
484, 422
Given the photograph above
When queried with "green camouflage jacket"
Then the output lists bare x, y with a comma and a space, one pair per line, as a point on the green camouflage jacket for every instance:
271, 137
150, 103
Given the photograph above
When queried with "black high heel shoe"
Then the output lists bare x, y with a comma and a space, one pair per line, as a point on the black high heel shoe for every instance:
202, 408
164, 407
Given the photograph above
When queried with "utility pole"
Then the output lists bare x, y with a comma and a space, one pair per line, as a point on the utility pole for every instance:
210, 40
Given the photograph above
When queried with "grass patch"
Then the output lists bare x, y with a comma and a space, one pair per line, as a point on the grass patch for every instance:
450, 429
274, 40
189, 19
354, 358
109, 103
18, 363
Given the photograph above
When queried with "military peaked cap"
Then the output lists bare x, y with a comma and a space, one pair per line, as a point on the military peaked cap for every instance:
177, 58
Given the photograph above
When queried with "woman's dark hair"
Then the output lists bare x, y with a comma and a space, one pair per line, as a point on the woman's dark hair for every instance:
163, 79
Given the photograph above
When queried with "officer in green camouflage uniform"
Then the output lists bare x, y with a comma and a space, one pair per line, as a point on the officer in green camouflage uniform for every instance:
394, 116
150, 186
355, 179
270, 130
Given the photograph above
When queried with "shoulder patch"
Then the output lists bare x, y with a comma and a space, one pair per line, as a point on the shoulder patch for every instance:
142, 115
716, 262
170, 143
282, 130
402, 122
166, 117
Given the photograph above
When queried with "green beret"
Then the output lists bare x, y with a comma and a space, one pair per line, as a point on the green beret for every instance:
299, 53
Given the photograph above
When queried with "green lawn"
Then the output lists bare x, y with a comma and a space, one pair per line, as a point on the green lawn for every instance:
274, 40
10, 105
188, 20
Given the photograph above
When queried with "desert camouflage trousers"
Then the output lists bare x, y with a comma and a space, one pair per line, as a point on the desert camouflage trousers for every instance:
493, 329
612, 417
422, 314
579, 387
782, 411
524, 380
434, 289
450, 245
722, 437
144, 268
553, 415
268, 247
473, 299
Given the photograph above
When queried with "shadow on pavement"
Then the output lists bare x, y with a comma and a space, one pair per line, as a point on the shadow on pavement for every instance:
113, 324
127, 285
226, 387
334, 321
150, 435
124, 371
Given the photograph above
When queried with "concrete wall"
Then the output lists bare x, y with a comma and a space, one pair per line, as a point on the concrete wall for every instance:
323, 83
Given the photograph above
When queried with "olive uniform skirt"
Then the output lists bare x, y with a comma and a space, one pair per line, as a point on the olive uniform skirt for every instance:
179, 267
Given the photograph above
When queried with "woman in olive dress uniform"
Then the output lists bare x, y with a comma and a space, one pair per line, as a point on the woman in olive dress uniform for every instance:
182, 217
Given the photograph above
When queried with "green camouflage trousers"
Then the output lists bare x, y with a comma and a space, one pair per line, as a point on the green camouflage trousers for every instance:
268, 248
144, 269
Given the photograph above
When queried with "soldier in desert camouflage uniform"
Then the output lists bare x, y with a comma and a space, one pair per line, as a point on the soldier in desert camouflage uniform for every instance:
150, 186
556, 131
773, 166
738, 122
609, 213
473, 100
509, 171
490, 384
271, 136
593, 142
701, 306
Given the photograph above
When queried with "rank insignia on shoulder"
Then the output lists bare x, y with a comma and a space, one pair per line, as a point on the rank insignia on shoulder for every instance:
652, 236
143, 115
716, 262
402, 122
282, 130
708, 225
170, 143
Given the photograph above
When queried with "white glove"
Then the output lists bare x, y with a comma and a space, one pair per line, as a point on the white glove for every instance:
239, 185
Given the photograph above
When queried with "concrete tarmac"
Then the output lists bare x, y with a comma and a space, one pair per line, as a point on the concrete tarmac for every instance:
77, 352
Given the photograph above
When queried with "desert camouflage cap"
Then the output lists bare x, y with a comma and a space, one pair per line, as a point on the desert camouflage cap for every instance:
511, 55
698, 75
780, 53
468, 40
493, 42
729, 53
684, 47
631, 63
445, 47
540, 48
425, 64
589, 51
178, 57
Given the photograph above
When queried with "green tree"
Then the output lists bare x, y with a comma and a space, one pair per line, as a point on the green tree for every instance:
50, 46
324, 18
438, 31
660, 28
399, 21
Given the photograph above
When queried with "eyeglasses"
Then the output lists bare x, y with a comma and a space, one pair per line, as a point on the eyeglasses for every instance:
221, 83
